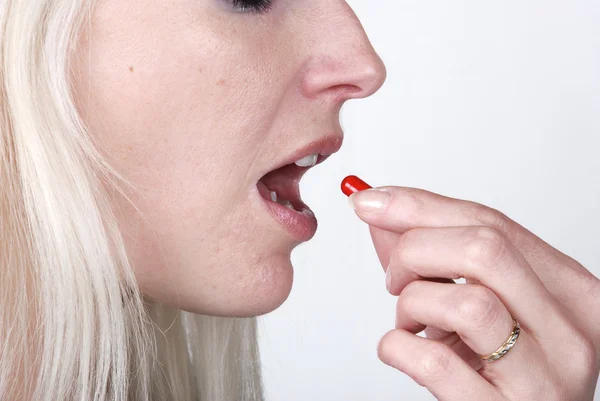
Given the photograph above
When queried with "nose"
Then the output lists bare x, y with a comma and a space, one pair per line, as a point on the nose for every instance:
342, 64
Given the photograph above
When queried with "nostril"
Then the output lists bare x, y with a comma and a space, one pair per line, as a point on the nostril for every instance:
345, 91
342, 81
342, 66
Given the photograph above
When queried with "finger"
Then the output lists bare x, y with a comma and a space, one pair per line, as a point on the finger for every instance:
480, 319
485, 255
384, 241
452, 340
407, 208
388, 240
564, 278
435, 366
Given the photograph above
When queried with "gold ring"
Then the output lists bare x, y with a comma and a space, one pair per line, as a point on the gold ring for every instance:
507, 346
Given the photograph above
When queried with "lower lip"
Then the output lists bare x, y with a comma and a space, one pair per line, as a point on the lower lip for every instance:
302, 226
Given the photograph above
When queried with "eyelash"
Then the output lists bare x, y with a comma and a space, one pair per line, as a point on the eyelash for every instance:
253, 6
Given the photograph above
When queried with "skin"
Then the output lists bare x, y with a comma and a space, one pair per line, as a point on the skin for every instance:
194, 102
424, 241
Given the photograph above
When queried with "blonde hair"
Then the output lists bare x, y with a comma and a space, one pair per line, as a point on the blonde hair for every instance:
73, 323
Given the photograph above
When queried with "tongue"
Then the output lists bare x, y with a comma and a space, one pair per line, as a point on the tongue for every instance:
284, 181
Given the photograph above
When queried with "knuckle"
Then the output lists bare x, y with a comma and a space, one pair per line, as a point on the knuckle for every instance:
410, 295
414, 288
479, 308
434, 364
490, 217
486, 246
413, 205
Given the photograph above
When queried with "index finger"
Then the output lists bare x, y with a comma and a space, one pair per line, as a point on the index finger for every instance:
399, 209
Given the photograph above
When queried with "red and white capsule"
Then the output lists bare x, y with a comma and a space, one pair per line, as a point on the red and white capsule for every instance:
352, 184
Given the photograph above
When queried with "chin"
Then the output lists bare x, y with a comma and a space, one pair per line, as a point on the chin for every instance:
266, 290
262, 289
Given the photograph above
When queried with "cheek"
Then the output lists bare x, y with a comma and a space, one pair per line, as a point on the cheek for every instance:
148, 98
183, 115
167, 97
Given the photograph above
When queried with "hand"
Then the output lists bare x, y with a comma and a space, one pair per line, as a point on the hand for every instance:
424, 241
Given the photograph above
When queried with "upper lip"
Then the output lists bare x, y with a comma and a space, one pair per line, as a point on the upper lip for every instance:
326, 146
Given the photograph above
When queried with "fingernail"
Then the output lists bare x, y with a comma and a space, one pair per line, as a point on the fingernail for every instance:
388, 278
370, 200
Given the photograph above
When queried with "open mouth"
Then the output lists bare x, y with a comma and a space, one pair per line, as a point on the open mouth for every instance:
282, 185
280, 189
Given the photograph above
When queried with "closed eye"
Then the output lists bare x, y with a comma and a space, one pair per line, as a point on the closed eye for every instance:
253, 6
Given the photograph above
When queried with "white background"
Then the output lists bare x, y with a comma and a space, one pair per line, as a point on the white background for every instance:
496, 102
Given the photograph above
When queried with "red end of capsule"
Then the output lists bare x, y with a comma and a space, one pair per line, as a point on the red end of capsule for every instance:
352, 184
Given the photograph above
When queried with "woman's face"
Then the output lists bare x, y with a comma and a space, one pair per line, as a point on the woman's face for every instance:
194, 101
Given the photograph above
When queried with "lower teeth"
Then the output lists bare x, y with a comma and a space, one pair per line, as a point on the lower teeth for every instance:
286, 203
283, 202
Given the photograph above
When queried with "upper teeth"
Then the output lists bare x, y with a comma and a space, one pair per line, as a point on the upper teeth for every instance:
308, 161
